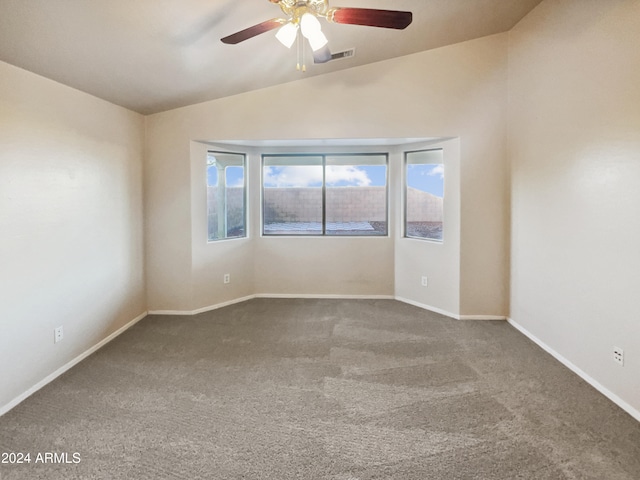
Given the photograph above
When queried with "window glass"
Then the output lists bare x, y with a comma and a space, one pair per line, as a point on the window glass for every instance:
356, 194
424, 194
226, 195
292, 195
324, 194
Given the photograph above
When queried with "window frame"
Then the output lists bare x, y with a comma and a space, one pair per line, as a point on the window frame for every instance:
245, 196
405, 196
323, 156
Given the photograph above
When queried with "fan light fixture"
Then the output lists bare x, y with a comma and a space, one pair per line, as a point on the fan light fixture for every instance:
287, 34
302, 15
311, 30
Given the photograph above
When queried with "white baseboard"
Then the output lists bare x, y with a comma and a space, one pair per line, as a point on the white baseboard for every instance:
587, 378
321, 296
266, 295
482, 317
329, 296
49, 378
449, 314
427, 307
202, 309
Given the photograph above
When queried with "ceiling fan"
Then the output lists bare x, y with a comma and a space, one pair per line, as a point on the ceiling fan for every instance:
302, 15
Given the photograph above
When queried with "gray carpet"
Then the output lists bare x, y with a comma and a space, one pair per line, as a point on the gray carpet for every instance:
321, 389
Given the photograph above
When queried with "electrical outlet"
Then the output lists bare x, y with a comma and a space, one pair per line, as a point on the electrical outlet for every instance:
58, 334
618, 356
425, 281
227, 278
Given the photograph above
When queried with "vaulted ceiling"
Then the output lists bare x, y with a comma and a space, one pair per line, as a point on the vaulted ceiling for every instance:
154, 55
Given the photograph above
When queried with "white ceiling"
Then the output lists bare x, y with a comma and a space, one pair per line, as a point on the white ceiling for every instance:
155, 55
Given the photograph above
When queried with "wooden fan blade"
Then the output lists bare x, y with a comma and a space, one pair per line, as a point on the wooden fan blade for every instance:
371, 17
251, 32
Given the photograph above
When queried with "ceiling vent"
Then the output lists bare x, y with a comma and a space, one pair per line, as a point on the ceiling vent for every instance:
344, 54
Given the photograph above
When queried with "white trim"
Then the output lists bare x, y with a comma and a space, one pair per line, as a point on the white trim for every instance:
202, 309
51, 377
328, 295
223, 304
171, 312
428, 307
449, 314
268, 295
586, 377
482, 317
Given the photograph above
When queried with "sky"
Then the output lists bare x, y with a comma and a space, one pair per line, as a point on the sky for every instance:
235, 176
336, 175
424, 177
427, 177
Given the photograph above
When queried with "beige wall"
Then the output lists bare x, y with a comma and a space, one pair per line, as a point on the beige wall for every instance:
457, 91
574, 141
209, 262
438, 261
71, 245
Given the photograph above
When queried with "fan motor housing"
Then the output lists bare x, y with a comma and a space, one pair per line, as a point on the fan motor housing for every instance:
297, 8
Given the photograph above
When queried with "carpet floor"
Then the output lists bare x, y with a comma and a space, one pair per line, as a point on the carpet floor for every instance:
320, 389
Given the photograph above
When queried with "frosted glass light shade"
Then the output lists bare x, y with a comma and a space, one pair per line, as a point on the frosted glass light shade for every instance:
287, 34
311, 29
309, 24
317, 40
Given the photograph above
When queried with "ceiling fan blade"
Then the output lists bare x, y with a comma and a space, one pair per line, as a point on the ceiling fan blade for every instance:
253, 31
322, 55
371, 17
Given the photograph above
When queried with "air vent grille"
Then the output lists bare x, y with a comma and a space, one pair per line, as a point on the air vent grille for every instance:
344, 54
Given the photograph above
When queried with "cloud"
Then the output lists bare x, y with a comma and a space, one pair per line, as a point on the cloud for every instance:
437, 170
293, 176
347, 175
311, 176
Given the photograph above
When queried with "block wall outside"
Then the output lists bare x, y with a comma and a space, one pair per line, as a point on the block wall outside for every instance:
423, 207
344, 204
292, 205
356, 204
235, 209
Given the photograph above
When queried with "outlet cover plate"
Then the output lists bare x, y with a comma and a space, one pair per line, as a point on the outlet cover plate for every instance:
58, 334
618, 356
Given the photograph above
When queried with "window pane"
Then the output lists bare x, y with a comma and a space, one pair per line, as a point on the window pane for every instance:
226, 197
356, 195
292, 195
424, 194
